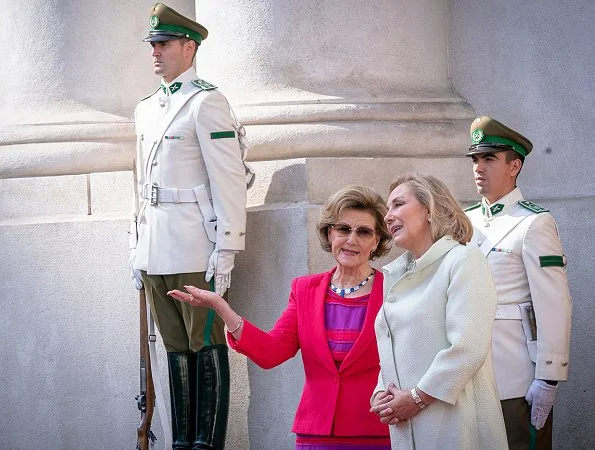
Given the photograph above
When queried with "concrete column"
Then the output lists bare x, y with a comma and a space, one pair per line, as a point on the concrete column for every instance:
336, 78
61, 105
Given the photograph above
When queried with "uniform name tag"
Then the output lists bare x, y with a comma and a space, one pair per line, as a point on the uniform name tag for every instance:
501, 250
181, 138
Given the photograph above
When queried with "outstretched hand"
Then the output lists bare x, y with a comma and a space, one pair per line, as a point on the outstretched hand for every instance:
197, 297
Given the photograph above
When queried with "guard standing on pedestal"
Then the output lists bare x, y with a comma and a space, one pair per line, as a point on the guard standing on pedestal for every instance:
189, 223
520, 240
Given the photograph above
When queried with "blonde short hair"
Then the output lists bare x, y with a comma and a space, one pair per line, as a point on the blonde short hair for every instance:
446, 215
362, 199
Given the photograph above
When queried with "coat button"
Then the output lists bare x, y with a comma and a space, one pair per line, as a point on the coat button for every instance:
154, 163
479, 243
564, 364
549, 361
487, 225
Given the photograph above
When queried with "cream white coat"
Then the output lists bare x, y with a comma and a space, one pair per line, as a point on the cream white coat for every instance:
513, 240
434, 331
170, 238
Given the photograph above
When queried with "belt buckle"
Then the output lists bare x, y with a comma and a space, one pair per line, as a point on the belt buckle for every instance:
154, 195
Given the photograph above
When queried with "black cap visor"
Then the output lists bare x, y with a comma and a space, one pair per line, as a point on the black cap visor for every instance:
488, 147
160, 36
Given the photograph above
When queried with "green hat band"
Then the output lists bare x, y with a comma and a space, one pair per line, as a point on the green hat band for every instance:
191, 34
502, 140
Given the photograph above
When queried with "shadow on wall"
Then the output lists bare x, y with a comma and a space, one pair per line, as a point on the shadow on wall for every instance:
276, 253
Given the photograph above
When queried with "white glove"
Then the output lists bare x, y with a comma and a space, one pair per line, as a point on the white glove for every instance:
220, 265
541, 397
135, 275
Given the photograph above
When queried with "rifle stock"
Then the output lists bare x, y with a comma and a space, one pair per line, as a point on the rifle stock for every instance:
146, 398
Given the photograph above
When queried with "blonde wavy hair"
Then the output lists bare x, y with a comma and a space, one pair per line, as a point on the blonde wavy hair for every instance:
447, 216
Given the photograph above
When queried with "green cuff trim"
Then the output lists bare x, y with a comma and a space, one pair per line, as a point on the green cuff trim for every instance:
223, 134
502, 140
551, 261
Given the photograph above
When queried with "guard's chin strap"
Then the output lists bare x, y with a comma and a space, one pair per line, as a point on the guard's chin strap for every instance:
159, 398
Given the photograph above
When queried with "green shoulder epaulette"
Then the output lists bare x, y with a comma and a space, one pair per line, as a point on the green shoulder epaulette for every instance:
472, 207
203, 85
151, 94
532, 206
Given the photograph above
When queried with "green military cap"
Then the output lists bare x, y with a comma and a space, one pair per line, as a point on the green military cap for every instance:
489, 135
167, 24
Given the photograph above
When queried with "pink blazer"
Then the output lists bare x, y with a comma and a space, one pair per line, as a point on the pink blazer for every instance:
333, 399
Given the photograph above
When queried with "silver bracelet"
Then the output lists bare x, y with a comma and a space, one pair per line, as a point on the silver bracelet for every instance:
238, 327
417, 399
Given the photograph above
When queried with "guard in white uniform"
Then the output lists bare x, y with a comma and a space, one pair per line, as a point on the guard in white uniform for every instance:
188, 224
520, 240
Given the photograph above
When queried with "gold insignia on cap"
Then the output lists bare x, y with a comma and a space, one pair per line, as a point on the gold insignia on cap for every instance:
154, 22
477, 136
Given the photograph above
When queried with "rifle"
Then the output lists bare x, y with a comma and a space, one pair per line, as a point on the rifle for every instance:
146, 399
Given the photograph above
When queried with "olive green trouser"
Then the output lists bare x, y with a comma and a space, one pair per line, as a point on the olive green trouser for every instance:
184, 328
517, 418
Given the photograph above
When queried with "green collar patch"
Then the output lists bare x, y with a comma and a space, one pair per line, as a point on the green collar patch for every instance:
477, 136
173, 88
532, 206
494, 209
472, 207
203, 85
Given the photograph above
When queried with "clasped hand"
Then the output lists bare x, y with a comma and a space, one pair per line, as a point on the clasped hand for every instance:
394, 405
197, 297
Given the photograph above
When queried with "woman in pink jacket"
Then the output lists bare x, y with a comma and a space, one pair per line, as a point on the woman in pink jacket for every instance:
330, 318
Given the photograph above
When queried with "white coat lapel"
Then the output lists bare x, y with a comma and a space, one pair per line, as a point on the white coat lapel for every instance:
164, 123
505, 225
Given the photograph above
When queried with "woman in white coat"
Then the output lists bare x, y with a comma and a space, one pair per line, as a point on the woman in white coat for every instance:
436, 386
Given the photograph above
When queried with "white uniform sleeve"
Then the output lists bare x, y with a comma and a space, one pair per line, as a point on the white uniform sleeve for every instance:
544, 263
227, 176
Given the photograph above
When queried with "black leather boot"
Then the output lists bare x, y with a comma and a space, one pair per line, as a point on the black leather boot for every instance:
212, 397
181, 377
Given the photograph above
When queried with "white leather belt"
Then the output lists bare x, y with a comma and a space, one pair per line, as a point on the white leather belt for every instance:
508, 312
158, 195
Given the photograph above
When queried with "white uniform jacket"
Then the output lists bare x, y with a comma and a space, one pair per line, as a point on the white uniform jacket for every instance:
196, 147
523, 249
434, 331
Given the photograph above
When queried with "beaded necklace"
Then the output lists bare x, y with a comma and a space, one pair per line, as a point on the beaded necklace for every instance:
344, 291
